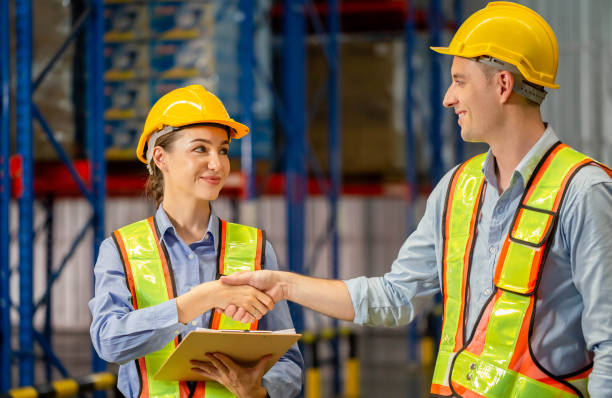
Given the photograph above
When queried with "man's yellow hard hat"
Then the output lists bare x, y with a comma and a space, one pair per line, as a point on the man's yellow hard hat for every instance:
512, 33
183, 107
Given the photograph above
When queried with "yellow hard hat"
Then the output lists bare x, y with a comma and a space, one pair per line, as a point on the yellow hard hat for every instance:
183, 107
512, 33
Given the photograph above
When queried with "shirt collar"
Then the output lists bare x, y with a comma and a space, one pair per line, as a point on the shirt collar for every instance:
166, 227
529, 162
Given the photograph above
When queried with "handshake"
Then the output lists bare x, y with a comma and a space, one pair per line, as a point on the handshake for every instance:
247, 296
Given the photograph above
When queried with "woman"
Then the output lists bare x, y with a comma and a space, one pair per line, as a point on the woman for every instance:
156, 279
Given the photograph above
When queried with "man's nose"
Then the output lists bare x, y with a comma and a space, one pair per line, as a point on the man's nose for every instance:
449, 98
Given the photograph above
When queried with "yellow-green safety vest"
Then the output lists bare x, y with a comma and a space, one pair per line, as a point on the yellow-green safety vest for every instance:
496, 361
149, 277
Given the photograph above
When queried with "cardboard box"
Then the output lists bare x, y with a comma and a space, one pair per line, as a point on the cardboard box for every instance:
54, 95
369, 137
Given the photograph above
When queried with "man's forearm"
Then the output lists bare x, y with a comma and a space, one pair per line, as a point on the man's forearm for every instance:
329, 297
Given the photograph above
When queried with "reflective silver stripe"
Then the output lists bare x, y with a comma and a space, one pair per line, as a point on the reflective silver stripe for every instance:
521, 85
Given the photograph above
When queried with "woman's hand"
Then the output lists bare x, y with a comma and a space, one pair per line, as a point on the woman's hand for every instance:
269, 282
215, 294
254, 302
241, 381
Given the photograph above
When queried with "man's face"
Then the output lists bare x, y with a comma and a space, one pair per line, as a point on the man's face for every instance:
474, 98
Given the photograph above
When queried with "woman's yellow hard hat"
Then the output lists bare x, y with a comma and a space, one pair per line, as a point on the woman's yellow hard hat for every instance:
512, 33
183, 107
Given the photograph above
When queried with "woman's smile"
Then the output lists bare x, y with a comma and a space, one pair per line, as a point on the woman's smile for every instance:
213, 180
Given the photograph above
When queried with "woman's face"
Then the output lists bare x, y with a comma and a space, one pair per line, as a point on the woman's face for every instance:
196, 164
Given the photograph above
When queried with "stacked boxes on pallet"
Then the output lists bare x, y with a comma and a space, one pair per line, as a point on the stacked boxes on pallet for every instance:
152, 47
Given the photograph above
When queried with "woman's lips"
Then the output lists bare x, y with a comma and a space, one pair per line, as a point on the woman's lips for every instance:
212, 180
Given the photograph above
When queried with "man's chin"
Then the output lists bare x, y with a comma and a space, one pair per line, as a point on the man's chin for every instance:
468, 136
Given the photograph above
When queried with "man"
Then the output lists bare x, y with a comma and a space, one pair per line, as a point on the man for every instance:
518, 240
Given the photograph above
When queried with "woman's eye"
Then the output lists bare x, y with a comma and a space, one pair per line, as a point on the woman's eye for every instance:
200, 149
224, 151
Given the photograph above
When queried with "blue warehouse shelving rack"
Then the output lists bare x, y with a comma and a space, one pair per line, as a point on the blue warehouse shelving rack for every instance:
90, 23
5, 197
290, 109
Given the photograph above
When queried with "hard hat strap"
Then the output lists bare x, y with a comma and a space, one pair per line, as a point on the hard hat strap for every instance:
151, 144
522, 87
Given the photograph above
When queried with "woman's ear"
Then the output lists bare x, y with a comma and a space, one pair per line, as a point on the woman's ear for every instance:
160, 158
505, 83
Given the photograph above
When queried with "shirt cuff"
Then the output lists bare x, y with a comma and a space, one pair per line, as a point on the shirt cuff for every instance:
358, 288
167, 316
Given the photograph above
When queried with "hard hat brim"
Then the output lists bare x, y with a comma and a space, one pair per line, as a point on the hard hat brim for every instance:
238, 130
468, 55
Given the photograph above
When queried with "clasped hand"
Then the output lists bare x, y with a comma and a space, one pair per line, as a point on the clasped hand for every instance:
264, 281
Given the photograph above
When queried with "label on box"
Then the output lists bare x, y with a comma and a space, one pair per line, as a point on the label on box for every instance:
121, 138
125, 22
182, 59
126, 100
124, 61
176, 20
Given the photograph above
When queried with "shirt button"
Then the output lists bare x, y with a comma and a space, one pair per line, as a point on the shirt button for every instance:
194, 323
176, 332
492, 249
190, 256
487, 292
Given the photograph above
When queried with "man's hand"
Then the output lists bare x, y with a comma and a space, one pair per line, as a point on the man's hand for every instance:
269, 282
329, 297
253, 301
242, 382
215, 294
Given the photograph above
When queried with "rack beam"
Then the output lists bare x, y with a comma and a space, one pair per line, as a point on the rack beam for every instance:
95, 138
335, 163
26, 198
295, 153
435, 133
5, 198
246, 60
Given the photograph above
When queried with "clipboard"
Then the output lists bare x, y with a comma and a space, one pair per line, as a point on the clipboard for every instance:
244, 347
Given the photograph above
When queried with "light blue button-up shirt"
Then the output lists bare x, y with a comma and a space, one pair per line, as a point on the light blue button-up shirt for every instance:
574, 299
120, 334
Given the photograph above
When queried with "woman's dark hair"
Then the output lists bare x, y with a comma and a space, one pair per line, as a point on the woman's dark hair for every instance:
154, 188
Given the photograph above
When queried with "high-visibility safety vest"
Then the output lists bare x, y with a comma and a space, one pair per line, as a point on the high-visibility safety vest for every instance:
150, 278
496, 360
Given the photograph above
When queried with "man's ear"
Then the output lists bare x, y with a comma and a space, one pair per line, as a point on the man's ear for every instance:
505, 83
159, 157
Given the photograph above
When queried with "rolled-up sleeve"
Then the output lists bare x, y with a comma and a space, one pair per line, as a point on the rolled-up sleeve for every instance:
587, 231
395, 298
118, 332
284, 379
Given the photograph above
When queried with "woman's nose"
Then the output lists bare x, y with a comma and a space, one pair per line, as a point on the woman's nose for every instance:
214, 161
